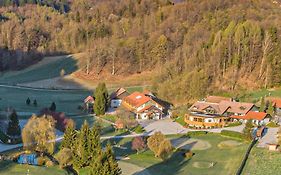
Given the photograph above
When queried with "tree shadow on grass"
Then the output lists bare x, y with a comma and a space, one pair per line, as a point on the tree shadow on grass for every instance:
6, 165
172, 165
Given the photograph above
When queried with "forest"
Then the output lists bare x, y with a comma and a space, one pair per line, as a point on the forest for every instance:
193, 47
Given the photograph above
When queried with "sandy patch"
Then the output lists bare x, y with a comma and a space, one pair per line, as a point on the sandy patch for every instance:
203, 164
191, 144
229, 144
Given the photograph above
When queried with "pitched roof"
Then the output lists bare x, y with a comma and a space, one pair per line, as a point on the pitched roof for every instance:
252, 115
222, 107
201, 106
217, 99
137, 99
237, 107
119, 93
150, 108
89, 99
276, 102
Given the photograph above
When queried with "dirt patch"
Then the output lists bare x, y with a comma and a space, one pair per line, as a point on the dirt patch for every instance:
229, 144
191, 144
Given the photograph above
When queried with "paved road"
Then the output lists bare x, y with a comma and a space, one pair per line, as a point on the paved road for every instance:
167, 126
270, 137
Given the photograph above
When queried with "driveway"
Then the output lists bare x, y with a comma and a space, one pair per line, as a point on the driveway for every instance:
167, 126
270, 137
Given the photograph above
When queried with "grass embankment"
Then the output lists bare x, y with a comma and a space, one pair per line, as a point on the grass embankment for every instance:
261, 161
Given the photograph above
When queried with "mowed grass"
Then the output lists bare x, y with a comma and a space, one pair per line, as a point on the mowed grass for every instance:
226, 161
11, 168
261, 162
255, 96
45, 71
66, 101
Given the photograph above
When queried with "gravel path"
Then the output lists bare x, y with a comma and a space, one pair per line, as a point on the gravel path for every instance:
270, 137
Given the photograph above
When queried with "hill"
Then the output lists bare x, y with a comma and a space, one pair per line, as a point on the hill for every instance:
192, 47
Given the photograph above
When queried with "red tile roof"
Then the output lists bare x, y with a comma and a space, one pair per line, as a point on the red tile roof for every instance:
276, 103
252, 115
136, 99
149, 108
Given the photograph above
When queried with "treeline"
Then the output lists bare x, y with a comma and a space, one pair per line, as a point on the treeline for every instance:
60, 5
194, 47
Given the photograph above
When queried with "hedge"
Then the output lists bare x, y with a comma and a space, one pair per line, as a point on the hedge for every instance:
196, 133
232, 134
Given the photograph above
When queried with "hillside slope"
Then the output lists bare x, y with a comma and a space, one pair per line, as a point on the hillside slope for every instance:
193, 47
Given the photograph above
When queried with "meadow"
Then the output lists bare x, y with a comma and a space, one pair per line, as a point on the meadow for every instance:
261, 161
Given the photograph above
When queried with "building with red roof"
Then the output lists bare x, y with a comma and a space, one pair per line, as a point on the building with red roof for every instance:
258, 118
143, 106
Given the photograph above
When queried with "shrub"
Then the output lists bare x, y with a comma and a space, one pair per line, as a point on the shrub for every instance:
234, 124
41, 161
188, 154
232, 134
272, 125
49, 163
196, 133
139, 129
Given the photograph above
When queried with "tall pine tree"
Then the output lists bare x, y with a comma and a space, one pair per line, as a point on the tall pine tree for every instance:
101, 99
14, 127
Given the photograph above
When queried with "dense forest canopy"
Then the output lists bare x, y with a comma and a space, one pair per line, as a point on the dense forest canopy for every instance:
193, 46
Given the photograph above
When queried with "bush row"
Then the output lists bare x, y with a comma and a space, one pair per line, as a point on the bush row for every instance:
232, 134
196, 133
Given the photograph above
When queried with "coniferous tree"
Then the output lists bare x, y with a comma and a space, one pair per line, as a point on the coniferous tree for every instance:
14, 127
101, 99
270, 110
247, 131
28, 101
262, 107
35, 103
110, 164
83, 145
69, 138
53, 107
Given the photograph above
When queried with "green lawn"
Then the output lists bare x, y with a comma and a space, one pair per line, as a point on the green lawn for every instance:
226, 160
11, 168
255, 96
261, 162
180, 120
66, 101
46, 71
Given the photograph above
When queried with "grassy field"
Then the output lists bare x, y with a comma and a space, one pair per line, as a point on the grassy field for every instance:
66, 101
261, 161
11, 168
226, 161
44, 71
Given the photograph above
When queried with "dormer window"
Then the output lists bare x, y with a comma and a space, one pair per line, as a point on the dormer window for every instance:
242, 107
